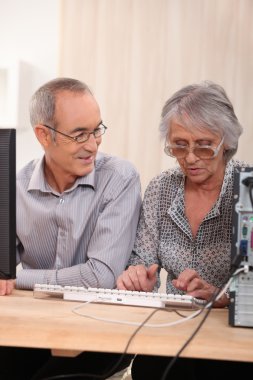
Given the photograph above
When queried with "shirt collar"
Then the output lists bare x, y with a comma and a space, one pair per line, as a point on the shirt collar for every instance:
228, 178
178, 202
38, 181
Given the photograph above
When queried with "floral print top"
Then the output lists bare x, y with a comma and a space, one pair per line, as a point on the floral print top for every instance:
164, 235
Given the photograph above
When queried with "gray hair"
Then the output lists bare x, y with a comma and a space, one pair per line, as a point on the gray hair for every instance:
42, 104
203, 106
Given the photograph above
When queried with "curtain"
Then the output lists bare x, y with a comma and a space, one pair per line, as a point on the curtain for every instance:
134, 54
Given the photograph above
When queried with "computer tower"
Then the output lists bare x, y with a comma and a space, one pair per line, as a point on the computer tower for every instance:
241, 288
7, 203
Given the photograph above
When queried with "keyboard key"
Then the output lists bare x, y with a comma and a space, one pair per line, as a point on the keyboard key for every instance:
119, 297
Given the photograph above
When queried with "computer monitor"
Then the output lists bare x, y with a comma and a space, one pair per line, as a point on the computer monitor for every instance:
7, 203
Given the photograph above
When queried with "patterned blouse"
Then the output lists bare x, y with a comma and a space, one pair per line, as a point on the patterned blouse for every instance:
164, 235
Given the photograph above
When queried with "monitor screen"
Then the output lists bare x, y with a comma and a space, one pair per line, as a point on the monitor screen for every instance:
7, 203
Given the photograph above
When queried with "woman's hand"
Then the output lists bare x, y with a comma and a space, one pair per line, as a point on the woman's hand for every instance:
138, 278
6, 287
190, 282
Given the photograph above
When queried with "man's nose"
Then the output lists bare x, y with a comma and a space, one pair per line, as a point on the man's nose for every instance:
91, 142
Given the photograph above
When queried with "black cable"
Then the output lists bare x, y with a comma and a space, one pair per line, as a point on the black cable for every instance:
182, 315
211, 302
248, 181
172, 362
250, 194
111, 371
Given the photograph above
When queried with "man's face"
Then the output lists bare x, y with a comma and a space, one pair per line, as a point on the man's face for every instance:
75, 113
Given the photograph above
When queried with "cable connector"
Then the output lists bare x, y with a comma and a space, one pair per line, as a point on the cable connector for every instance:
248, 181
246, 268
236, 263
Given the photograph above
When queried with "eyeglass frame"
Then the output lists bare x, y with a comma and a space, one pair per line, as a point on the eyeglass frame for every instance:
75, 139
191, 150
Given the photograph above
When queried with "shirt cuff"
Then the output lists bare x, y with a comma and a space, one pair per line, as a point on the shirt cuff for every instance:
27, 278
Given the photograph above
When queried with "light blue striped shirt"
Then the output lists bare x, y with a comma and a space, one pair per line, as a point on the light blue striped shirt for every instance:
83, 236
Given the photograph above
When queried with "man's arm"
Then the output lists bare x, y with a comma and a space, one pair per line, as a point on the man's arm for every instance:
109, 247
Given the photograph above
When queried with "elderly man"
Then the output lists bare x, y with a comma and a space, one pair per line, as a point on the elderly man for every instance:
77, 213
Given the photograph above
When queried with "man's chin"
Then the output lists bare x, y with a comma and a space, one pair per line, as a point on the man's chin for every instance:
86, 170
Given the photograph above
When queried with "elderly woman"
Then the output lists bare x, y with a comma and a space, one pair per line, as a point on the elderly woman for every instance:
185, 223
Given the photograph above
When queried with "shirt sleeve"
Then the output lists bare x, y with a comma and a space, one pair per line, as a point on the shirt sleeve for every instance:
146, 246
109, 248
147, 241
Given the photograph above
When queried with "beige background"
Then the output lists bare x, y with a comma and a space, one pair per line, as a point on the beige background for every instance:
135, 54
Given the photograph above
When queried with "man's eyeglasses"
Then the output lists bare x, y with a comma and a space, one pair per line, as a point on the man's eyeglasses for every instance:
83, 136
204, 152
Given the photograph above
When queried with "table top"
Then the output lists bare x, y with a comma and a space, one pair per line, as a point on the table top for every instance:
51, 323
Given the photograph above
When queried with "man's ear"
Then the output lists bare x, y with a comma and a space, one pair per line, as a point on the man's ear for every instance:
43, 135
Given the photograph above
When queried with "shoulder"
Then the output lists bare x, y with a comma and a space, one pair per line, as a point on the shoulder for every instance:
232, 166
115, 166
27, 171
239, 163
163, 187
170, 178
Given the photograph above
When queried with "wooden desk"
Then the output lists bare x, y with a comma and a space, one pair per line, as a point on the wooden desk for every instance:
50, 323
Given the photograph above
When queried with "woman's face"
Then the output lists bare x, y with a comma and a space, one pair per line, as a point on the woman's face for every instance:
197, 170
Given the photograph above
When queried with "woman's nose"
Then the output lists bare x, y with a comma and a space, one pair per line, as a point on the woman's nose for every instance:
191, 157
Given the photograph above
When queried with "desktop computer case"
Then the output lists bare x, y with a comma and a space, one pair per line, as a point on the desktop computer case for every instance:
241, 288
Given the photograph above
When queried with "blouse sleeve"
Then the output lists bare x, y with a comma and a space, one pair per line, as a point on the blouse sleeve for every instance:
146, 245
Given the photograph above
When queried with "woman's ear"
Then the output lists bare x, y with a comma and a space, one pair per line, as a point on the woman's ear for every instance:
43, 135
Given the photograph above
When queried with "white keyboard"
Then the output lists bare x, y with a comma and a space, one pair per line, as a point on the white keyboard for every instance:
119, 297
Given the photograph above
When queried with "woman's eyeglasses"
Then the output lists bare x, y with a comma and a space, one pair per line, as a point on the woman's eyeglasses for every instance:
204, 152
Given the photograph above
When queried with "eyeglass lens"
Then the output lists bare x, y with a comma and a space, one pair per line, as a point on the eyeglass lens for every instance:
96, 133
99, 131
201, 152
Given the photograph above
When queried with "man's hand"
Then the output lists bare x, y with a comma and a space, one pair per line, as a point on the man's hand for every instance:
6, 287
138, 278
190, 282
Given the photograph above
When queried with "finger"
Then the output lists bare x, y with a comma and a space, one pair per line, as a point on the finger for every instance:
126, 282
120, 284
146, 285
200, 293
185, 278
2, 287
130, 278
204, 291
152, 270
181, 285
196, 284
138, 276
188, 275
9, 286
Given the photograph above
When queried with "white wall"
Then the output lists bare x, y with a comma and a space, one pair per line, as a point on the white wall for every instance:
30, 33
